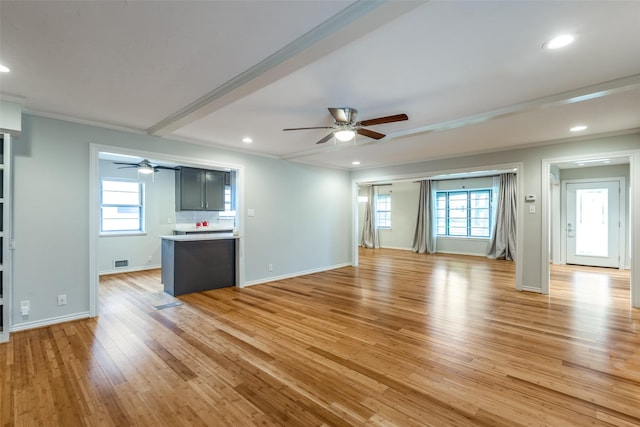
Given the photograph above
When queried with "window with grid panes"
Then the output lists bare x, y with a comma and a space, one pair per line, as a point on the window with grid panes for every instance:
463, 213
383, 210
121, 206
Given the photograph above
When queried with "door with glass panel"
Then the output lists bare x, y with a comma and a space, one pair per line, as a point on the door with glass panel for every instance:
593, 223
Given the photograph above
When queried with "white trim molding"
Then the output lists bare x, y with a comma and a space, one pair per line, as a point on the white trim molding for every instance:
50, 321
634, 211
297, 274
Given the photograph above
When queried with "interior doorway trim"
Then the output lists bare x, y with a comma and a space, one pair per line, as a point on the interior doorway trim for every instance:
94, 207
634, 210
517, 167
622, 229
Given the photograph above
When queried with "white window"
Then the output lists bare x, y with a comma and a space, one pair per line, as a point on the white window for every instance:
228, 208
463, 213
121, 206
383, 210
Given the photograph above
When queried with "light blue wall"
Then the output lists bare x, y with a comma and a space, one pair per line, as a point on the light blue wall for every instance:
302, 220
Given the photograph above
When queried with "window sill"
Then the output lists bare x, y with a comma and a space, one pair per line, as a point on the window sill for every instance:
122, 233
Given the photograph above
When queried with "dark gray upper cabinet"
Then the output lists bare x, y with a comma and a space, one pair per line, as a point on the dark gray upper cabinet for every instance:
199, 189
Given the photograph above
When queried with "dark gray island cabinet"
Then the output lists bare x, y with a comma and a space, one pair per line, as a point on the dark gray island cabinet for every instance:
198, 262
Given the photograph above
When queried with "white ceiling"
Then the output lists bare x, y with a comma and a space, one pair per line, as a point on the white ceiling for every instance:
472, 76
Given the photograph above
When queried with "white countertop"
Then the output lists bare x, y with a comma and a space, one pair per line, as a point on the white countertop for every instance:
200, 236
210, 227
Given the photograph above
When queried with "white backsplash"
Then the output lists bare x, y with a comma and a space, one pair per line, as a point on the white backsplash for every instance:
185, 219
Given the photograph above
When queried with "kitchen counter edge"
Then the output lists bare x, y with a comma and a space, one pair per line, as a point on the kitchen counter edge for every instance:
200, 236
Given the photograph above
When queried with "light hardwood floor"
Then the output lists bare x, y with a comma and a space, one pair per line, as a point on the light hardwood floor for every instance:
404, 339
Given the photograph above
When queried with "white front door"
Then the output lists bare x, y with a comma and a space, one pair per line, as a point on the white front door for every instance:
593, 223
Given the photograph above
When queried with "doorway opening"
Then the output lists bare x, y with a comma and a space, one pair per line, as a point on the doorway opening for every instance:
595, 222
588, 205
165, 213
460, 245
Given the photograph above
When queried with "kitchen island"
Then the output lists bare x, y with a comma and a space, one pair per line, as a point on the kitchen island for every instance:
198, 262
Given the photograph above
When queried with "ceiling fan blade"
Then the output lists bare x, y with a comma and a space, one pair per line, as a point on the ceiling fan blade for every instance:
340, 115
370, 133
125, 163
315, 127
325, 139
128, 166
387, 119
165, 167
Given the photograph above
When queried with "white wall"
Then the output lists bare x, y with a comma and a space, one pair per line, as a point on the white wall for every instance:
159, 208
404, 211
302, 221
530, 173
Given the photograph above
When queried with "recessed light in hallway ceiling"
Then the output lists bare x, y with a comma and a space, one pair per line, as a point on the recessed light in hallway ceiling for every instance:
559, 41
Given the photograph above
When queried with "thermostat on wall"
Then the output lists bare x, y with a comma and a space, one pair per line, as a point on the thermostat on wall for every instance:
530, 198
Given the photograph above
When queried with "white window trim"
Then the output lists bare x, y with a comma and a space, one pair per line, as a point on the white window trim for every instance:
121, 233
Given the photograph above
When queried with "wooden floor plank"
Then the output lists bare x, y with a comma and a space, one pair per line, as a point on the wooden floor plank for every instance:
404, 339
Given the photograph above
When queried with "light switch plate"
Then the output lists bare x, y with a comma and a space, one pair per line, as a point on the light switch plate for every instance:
251, 212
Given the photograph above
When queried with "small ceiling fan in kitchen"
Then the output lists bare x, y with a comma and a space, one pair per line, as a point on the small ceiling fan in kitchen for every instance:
345, 125
144, 167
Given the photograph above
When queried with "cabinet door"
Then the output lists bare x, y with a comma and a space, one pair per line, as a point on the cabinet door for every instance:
189, 189
214, 190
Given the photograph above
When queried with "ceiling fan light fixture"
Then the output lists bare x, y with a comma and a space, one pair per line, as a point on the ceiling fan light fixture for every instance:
344, 135
145, 169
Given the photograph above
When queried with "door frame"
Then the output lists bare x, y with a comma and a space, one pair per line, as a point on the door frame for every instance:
622, 229
517, 167
634, 209
94, 208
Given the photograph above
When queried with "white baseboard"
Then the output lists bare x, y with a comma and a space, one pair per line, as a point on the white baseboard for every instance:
395, 247
460, 253
129, 269
530, 289
50, 321
297, 274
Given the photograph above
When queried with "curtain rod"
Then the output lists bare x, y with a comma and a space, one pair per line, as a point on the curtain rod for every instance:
462, 177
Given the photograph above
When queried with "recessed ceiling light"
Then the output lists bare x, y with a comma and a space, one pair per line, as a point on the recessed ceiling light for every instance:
355, 163
578, 128
4, 69
247, 140
559, 41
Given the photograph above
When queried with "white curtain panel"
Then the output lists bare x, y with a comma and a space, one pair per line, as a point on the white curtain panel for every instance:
503, 238
370, 236
424, 240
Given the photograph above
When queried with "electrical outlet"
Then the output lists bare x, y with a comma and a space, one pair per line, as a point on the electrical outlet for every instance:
62, 299
150, 258
270, 267
25, 306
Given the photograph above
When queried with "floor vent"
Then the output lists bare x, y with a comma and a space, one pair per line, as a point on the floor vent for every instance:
169, 305
120, 263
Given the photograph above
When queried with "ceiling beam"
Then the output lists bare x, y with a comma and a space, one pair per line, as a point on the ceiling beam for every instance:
355, 21
578, 95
